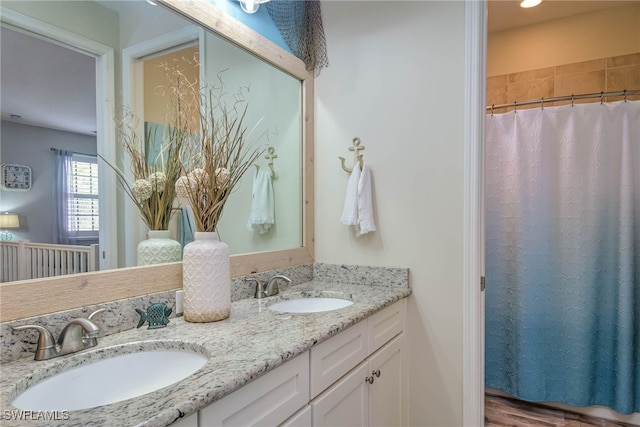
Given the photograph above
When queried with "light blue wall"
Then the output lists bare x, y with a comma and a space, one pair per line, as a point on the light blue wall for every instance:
260, 21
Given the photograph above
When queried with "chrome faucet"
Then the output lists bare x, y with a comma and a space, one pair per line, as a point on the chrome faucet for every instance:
268, 289
79, 334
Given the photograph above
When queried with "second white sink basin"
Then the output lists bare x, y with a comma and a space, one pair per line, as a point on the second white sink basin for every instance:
310, 305
110, 380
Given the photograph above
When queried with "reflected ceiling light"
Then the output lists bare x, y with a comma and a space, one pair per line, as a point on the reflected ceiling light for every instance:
251, 6
530, 3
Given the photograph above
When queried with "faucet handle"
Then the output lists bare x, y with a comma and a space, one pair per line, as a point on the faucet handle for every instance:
46, 342
260, 287
96, 312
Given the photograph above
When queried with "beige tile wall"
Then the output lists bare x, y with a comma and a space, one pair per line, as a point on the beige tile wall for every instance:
616, 73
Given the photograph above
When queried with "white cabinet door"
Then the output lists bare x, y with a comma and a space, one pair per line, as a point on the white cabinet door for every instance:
302, 418
346, 403
370, 395
385, 367
267, 401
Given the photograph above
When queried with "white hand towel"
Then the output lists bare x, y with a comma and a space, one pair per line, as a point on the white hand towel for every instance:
366, 223
262, 213
350, 210
358, 201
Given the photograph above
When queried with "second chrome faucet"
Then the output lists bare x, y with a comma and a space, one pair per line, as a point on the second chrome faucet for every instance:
270, 288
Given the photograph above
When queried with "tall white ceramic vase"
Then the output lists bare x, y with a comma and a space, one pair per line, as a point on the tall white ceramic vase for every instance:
158, 249
206, 279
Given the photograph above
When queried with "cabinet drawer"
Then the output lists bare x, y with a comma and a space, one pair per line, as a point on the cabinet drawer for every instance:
385, 324
269, 400
338, 355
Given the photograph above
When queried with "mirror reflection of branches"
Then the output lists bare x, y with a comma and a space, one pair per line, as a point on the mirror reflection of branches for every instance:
273, 94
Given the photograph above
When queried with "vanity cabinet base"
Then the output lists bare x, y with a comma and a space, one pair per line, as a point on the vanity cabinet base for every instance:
355, 378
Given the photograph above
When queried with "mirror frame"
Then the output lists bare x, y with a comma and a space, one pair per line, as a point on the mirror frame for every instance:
17, 299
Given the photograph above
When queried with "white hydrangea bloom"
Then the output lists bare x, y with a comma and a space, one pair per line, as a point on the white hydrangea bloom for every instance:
198, 177
222, 177
158, 180
182, 187
142, 190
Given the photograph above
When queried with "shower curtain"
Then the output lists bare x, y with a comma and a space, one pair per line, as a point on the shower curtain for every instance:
563, 254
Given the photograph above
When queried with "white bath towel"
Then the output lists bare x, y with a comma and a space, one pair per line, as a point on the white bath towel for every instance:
262, 213
358, 201
350, 210
366, 223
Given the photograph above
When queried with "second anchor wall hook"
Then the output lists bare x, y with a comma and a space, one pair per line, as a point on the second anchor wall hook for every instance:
357, 157
270, 157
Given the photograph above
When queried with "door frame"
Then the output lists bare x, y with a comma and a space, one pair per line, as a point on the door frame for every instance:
105, 96
473, 227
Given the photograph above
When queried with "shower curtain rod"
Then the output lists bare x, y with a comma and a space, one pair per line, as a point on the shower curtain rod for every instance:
541, 101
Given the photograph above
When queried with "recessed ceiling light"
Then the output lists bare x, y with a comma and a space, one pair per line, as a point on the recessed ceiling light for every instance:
529, 3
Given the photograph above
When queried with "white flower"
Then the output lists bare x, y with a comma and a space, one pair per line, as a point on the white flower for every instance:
222, 177
158, 180
198, 178
183, 187
142, 190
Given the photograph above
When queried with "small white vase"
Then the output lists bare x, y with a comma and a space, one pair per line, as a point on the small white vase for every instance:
158, 249
206, 279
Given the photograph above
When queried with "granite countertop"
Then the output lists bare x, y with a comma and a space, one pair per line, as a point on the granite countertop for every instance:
251, 342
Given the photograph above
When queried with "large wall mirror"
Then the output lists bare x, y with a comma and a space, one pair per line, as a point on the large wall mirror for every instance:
125, 38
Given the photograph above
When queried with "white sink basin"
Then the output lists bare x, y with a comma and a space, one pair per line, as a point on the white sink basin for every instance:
310, 305
110, 380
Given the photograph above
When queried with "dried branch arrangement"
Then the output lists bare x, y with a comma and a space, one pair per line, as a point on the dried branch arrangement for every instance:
203, 155
153, 189
219, 153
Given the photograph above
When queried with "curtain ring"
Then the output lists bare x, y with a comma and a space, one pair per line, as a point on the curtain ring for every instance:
625, 95
492, 109
572, 100
601, 98
542, 103
515, 107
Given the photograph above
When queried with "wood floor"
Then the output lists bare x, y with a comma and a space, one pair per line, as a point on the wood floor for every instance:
505, 412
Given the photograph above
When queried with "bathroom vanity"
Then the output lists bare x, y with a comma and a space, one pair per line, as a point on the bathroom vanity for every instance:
263, 367
353, 378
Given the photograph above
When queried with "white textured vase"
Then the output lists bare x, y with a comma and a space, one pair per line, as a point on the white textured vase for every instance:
206, 279
158, 249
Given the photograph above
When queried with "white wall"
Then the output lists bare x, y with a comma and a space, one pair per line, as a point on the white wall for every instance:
395, 80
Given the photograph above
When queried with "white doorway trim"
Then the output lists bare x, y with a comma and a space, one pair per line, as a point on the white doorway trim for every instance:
133, 99
473, 231
104, 122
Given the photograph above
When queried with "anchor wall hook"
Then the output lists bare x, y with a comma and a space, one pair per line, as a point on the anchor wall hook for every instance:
270, 156
357, 157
